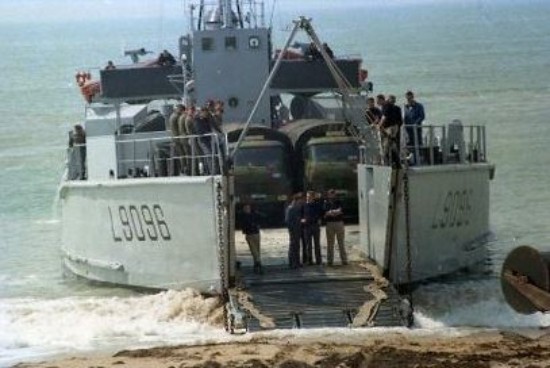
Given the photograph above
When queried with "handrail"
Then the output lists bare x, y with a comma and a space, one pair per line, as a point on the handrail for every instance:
203, 159
434, 144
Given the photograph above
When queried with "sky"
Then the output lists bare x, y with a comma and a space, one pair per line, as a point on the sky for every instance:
54, 10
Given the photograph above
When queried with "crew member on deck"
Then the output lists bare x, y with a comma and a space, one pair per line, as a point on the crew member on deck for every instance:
414, 116
312, 53
77, 141
166, 59
390, 131
110, 65
179, 110
373, 114
203, 127
328, 50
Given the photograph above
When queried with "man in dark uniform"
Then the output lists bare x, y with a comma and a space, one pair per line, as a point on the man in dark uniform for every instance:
293, 216
390, 127
251, 231
311, 222
414, 116
373, 114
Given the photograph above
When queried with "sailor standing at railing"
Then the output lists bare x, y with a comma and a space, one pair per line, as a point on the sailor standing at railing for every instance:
390, 130
77, 143
414, 116
373, 115
203, 127
173, 123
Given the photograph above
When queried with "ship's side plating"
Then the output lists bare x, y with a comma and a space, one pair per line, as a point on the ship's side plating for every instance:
447, 206
154, 233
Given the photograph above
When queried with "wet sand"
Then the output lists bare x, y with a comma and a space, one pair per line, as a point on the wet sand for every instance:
476, 348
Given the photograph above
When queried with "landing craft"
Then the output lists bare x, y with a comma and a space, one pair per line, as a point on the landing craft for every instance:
140, 210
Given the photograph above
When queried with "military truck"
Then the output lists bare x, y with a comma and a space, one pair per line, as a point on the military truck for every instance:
325, 157
262, 171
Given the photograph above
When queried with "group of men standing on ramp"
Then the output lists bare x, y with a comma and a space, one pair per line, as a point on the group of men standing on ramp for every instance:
304, 219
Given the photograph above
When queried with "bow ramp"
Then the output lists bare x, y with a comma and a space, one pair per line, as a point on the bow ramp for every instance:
317, 296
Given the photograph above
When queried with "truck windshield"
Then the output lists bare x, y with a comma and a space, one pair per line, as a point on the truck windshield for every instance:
271, 157
334, 152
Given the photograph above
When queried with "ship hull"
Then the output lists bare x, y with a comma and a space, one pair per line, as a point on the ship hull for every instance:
448, 227
160, 233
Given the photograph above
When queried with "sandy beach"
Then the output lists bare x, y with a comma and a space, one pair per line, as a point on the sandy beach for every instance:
473, 348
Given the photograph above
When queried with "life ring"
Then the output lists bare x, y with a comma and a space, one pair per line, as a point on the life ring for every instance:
233, 102
363, 75
89, 89
82, 78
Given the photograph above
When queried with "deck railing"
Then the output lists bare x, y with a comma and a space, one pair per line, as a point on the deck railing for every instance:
191, 155
431, 144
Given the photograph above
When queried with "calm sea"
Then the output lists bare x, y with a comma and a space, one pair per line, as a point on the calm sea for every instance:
484, 62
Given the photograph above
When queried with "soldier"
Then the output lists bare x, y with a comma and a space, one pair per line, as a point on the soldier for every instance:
293, 217
311, 221
173, 120
77, 141
251, 231
390, 127
191, 140
184, 142
203, 126
334, 218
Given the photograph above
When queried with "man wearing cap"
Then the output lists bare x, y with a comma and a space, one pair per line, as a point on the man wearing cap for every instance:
334, 218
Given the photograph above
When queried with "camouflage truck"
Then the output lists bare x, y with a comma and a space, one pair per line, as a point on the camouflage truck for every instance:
325, 157
262, 172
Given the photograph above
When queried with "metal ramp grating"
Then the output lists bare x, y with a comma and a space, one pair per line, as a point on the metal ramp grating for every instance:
314, 297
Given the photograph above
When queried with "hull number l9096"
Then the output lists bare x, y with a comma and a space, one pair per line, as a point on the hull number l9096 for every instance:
142, 223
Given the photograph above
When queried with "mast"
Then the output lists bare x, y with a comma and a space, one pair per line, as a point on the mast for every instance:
227, 14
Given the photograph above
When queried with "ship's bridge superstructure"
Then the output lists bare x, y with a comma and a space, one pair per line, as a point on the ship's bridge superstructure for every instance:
230, 58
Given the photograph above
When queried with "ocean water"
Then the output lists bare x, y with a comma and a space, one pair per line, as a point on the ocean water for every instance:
485, 62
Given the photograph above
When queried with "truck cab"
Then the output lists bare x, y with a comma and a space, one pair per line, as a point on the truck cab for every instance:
263, 173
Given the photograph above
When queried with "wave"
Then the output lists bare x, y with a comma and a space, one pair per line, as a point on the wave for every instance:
30, 327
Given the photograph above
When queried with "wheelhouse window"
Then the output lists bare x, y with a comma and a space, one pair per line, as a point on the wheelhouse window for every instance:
231, 43
207, 44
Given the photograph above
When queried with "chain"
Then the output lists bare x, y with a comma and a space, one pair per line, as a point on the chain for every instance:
221, 253
408, 237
